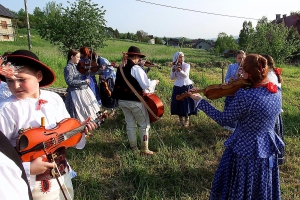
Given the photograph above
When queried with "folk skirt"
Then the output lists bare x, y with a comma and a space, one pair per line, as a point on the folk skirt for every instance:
240, 177
185, 107
81, 104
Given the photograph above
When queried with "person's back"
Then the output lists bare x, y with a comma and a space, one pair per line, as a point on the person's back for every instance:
256, 118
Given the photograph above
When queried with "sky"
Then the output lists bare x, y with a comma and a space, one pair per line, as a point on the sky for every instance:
178, 18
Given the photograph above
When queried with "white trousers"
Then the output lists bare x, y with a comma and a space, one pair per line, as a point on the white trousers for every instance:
53, 190
135, 111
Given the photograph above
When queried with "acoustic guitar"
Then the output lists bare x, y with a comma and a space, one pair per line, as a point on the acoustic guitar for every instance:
155, 104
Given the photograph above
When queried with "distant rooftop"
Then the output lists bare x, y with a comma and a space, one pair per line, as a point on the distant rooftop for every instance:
4, 12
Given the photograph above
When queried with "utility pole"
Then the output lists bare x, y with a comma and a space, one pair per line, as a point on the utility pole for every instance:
28, 26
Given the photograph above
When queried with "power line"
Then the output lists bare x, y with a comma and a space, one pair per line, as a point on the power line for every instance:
196, 10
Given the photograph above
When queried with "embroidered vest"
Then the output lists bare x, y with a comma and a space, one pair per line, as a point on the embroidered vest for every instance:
121, 89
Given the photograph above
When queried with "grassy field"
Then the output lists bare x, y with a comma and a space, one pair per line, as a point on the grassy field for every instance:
187, 158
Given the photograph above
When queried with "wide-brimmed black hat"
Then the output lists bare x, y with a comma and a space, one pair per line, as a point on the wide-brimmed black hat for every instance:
135, 51
25, 57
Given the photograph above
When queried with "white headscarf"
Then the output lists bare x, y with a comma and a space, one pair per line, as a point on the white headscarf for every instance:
176, 55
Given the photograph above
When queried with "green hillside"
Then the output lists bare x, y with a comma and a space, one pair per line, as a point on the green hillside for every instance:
187, 157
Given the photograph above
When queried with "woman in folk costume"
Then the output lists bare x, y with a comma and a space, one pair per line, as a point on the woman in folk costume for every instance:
80, 100
180, 72
86, 58
106, 84
249, 168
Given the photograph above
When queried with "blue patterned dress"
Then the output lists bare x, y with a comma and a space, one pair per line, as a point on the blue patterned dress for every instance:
248, 168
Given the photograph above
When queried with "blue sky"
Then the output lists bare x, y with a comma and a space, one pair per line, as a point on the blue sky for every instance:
133, 15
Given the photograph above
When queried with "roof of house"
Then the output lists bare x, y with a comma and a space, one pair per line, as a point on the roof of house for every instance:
292, 20
6, 13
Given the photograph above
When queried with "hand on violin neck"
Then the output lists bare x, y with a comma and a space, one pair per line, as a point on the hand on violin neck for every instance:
193, 93
39, 166
90, 126
196, 96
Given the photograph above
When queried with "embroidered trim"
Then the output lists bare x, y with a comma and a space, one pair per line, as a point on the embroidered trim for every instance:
45, 186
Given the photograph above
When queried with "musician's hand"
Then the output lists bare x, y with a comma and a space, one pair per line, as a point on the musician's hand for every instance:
178, 69
87, 81
38, 166
157, 82
193, 89
195, 96
89, 127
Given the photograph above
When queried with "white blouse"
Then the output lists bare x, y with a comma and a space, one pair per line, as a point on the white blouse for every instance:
182, 77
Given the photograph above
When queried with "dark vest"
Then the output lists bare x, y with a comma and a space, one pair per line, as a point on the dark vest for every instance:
121, 89
7, 149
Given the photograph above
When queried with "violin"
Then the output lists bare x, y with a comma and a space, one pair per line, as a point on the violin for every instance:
35, 142
219, 90
83, 67
176, 65
148, 63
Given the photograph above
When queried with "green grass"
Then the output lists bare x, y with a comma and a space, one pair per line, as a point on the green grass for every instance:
187, 158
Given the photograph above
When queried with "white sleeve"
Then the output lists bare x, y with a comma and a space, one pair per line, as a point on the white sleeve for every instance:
173, 74
139, 74
12, 186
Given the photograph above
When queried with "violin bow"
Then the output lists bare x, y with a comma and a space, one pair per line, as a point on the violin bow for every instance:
51, 158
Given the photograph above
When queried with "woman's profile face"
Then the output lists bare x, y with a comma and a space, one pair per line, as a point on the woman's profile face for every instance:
75, 59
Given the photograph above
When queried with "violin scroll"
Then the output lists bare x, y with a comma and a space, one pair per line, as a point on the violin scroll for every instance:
148, 63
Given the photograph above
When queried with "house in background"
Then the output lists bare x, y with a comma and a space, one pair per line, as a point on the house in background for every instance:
229, 53
203, 44
173, 42
292, 20
151, 39
7, 32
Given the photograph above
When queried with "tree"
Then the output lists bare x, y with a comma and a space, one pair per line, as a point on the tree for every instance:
139, 36
116, 33
295, 12
158, 40
181, 41
80, 24
225, 42
277, 40
245, 34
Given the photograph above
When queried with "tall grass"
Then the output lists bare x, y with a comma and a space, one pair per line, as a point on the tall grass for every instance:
186, 161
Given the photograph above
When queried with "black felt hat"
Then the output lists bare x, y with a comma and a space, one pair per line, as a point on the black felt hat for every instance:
25, 57
135, 51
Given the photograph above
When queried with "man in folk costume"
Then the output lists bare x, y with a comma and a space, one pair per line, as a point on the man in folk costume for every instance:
132, 107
